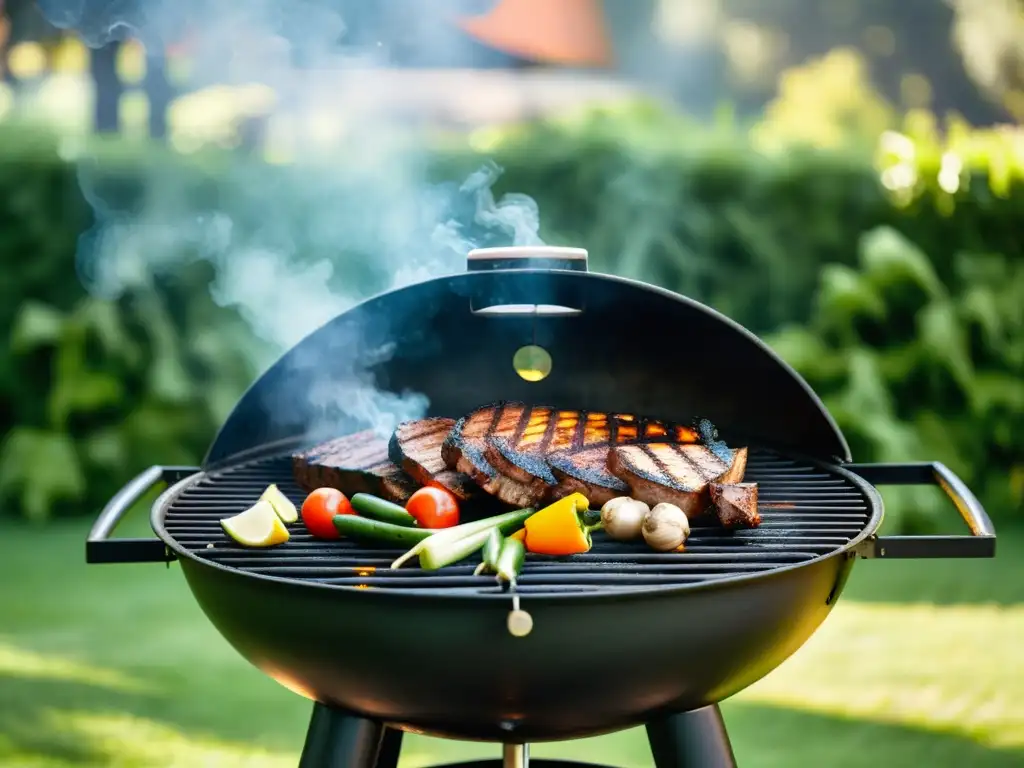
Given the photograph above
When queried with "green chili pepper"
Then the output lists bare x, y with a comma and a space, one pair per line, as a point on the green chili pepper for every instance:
510, 561
492, 548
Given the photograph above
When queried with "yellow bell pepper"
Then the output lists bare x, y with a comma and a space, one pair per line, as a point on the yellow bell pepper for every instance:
559, 529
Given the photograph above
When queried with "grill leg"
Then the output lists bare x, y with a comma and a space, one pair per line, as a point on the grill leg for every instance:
691, 739
390, 748
338, 739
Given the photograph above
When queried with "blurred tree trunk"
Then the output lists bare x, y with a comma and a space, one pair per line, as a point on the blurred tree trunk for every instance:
107, 88
924, 32
695, 75
158, 89
5, 35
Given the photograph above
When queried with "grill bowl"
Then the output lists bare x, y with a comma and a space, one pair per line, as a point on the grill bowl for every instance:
620, 633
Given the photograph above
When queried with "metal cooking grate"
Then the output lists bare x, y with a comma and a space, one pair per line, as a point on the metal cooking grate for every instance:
808, 510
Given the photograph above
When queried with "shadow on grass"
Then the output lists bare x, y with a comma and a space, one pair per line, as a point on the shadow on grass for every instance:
32, 729
29, 724
57, 720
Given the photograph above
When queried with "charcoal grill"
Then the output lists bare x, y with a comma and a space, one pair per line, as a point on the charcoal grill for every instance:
689, 629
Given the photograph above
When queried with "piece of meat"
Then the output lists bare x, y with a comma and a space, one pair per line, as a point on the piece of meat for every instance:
737, 468
527, 454
356, 463
416, 448
586, 471
584, 467
673, 473
463, 449
736, 504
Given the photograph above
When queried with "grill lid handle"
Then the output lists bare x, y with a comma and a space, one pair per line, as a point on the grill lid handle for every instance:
981, 542
100, 548
527, 257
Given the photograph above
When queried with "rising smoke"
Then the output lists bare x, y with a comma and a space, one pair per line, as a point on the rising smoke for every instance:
284, 242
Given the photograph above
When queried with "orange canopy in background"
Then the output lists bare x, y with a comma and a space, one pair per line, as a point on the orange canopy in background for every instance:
568, 32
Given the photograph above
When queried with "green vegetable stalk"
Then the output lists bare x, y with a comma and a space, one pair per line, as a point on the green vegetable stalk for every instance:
438, 554
505, 522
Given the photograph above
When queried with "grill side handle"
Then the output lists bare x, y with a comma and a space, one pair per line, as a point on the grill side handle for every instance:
100, 548
981, 542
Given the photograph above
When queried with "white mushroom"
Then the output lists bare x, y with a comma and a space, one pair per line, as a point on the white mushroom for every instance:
622, 517
665, 527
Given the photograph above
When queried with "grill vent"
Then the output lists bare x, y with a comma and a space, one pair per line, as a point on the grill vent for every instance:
808, 511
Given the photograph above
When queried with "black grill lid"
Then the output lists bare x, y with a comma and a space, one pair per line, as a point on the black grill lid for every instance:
627, 346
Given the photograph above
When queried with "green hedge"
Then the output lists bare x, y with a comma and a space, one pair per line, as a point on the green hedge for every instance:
902, 307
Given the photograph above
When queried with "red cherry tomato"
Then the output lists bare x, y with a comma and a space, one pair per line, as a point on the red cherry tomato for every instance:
319, 509
433, 507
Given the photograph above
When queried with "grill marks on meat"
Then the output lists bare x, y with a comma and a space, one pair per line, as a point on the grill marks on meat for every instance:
416, 448
668, 472
583, 467
356, 463
465, 447
525, 454
586, 471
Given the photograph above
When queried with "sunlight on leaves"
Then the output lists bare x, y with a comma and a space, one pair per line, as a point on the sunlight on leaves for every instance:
889, 259
828, 102
104, 321
35, 325
28, 458
845, 296
167, 376
941, 335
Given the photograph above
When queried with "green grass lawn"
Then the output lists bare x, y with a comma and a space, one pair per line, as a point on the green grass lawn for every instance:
921, 663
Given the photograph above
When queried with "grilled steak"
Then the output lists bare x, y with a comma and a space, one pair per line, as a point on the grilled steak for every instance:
586, 471
416, 448
737, 463
525, 454
463, 450
674, 473
736, 504
355, 463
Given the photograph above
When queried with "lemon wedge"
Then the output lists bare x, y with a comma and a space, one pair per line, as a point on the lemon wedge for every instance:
281, 504
258, 526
